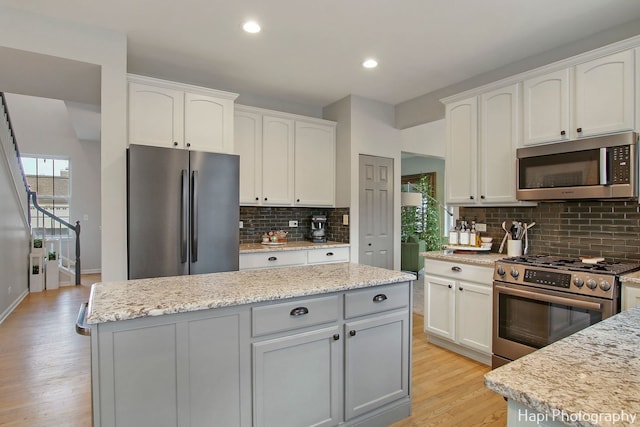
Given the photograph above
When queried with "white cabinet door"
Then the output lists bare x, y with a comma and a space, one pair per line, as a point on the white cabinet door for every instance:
314, 164
499, 119
473, 315
155, 116
248, 145
376, 362
440, 307
277, 160
297, 380
461, 149
546, 108
208, 123
630, 296
605, 95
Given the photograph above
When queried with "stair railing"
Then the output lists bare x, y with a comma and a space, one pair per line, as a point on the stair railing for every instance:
75, 228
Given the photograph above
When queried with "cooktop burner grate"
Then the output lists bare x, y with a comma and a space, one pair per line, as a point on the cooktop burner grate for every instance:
573, 264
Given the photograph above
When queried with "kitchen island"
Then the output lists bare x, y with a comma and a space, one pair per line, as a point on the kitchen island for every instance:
309, 345
591, 378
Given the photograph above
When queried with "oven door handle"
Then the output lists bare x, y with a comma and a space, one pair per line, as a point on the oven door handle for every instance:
549, 298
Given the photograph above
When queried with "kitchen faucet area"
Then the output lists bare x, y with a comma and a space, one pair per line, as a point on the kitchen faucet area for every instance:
331, 214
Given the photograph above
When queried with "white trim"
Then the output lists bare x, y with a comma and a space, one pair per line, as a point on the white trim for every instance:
181, 86
622, 45
297, 117
13, 306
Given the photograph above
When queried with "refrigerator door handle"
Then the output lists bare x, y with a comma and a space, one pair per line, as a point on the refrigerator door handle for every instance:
194, 217
184, 216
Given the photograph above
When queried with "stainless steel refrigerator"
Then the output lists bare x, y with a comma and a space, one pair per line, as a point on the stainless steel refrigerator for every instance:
182, 212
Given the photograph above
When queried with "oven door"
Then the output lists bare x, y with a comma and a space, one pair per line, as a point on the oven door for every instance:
526, 318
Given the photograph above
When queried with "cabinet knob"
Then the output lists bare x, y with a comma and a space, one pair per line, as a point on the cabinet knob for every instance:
460, 288
563, 133
336, 337
471, 197
257, 198
456, 268
369, 244
265, 198
482, 197
272, 258
297, 200
579, 130
299, 311
379, 298
450, 286
352, 333
175, 143
188, 144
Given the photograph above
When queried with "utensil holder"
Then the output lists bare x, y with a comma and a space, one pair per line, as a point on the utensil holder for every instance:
514, 247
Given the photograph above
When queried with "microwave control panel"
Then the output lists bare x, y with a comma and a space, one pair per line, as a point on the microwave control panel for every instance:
620, 158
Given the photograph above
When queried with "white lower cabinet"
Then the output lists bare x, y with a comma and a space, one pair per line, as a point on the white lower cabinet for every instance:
269, 259
458, 307
630, 296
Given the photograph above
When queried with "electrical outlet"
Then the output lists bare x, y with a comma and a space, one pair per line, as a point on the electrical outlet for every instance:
293, 223
345, 219
241, 224
481, 227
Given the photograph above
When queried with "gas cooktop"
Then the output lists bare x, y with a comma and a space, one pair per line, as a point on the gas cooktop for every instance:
573, 264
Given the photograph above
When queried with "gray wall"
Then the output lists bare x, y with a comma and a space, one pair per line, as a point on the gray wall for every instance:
42, 127
14, 242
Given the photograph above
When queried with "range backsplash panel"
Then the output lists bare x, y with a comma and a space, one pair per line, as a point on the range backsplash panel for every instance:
583, 228
259, 220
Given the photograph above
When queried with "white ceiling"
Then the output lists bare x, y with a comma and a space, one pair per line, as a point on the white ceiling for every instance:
310, 53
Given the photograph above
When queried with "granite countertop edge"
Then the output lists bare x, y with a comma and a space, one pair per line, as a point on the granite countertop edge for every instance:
289, 246
481, 259
131, 299
601, 357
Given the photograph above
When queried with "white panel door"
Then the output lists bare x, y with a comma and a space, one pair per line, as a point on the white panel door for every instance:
156, 116
473, 315
248, 145
461, 151
314, 164
208, 123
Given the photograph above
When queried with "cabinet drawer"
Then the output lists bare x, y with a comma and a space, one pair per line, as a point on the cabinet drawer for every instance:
297, 314
376, 299
272, 259
327, 255
459, 271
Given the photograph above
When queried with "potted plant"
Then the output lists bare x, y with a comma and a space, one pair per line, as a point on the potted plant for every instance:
52, 256
37, 243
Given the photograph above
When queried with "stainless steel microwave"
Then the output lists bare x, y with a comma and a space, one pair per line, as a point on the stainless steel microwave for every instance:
602, 167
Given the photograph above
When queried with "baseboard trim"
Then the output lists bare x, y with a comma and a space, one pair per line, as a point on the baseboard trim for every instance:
456, 348
91, 271
13, 306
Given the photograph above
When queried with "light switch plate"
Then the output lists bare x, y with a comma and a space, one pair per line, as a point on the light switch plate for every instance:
293, 223
241, 224
481, 227
345, 219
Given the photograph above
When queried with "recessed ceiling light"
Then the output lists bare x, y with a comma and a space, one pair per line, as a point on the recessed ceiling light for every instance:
370, 63
251, 27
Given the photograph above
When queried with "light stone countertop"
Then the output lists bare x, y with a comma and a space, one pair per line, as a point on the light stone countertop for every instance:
481, 259
130, 299
594, 371
289, 246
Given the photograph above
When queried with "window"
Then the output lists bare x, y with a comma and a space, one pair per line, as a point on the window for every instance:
49, 178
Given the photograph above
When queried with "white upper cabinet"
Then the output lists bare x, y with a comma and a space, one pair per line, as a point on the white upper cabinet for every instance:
605, 93
285, 159
314, 164
461, 151
498, 126
546, 108
482, 136
277, 160
167, 114
248, 145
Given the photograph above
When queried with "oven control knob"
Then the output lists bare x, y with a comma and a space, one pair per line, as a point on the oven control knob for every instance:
578, 282
591, 284
515, 273
500, 271
605, 286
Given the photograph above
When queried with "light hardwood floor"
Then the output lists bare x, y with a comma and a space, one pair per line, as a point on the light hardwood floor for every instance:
45, 371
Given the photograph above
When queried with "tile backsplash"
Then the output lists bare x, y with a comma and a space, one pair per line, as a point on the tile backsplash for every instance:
258, 220
584, 228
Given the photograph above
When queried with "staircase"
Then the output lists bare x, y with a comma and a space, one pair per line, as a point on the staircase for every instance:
65, 261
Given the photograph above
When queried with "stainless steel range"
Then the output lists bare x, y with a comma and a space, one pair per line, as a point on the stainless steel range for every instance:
538, 300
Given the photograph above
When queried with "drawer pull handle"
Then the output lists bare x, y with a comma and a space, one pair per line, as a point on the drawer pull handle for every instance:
379, 298
461, 288
329, 253
336, 337
299, 311
456, 268
352, 333
272, 258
